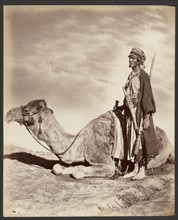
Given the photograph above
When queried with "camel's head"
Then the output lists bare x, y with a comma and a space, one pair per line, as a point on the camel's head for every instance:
24, 114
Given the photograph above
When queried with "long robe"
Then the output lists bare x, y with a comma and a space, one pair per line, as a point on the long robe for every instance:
145, 106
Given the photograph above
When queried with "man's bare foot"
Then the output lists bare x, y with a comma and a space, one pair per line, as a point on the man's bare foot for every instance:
133, 173
140, 175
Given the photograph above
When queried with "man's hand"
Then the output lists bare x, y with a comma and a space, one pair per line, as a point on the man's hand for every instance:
115, 108
118, 108
146, 122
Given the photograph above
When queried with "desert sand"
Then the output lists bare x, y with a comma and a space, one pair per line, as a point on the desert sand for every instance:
31, 189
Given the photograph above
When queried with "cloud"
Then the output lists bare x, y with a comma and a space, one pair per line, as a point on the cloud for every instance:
77, 57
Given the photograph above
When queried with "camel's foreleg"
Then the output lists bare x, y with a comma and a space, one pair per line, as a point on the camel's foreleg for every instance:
80, 172
58, 169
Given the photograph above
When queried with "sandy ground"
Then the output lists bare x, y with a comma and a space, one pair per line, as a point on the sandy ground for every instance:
30, 189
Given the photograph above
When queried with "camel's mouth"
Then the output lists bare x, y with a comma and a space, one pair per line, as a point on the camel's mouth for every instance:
14, 114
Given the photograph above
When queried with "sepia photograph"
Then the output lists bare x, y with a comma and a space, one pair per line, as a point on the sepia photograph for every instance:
89, 110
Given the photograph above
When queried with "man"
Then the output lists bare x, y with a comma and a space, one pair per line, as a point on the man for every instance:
138, 115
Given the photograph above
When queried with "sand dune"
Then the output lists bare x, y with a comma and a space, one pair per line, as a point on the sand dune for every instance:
30, 189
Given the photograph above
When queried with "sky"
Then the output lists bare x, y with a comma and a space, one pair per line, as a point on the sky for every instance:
76, 58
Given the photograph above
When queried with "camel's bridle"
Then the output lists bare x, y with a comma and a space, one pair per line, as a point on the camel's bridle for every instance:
30, 122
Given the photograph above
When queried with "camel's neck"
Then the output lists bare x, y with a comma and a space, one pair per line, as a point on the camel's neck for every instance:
52, 133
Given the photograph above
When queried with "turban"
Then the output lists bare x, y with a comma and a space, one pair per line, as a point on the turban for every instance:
139, 54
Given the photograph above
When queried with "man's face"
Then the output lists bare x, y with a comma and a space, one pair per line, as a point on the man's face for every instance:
133, 61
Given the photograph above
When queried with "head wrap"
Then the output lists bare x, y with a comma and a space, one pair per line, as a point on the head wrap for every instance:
139, 54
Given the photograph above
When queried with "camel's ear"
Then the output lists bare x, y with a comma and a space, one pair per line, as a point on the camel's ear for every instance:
42, 105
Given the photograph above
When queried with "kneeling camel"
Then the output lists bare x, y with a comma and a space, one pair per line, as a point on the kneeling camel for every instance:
91, 144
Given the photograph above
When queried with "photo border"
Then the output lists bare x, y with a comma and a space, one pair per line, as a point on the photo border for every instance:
86, 2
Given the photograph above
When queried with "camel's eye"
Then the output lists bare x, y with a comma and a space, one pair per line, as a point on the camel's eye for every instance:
39, 107
26, 109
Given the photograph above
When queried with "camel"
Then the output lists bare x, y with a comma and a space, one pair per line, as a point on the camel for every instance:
91, 147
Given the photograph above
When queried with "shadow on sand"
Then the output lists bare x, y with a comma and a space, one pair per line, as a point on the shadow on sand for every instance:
31, 159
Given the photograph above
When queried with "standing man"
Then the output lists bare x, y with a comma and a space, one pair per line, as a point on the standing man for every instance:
139, 129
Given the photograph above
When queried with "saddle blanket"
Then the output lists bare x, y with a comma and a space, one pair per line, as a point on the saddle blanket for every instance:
118, 145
